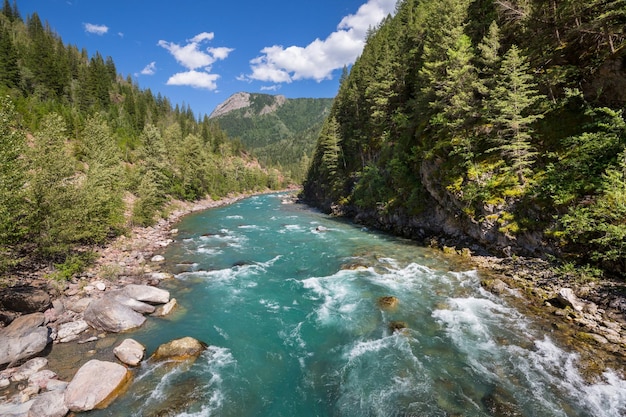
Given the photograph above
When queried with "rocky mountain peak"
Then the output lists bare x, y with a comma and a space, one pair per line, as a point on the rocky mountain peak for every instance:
234, 102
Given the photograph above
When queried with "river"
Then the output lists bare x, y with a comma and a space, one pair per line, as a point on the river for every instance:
288, 300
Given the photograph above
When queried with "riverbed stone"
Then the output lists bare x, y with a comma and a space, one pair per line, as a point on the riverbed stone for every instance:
179, 349
388, 303
42, 378
157, 258
111, 316
139, 306
24, 299
23, 338
68, 332
16, 409
29, 368
49, 404
165, 309
147, 293
95, 385
130, 352
568, 298
80, 305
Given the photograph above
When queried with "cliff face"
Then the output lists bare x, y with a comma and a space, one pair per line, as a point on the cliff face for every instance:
478, 121
234, 102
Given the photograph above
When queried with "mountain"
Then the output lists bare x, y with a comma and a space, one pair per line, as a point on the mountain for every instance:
279, 131
492, 121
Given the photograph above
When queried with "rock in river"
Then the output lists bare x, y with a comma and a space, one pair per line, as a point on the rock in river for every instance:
147, 294
130, 352
109, 315
95, 385
179, 349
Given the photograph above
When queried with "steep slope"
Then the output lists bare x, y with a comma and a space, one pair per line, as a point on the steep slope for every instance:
500, 122
277, 130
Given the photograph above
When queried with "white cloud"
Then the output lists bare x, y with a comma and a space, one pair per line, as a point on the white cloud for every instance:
198, 62
196, 79
274, 87
149, 69
191, 57
95, 29
320, 58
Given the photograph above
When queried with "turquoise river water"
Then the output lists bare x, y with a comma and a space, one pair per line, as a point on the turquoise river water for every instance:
287, 300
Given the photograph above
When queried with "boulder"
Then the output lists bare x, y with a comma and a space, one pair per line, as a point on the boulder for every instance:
130, 352
23, 338
15, 410
79, 306
388, 302
179, 349
42, 378
70, 331
147, 293
29, 368
24, 299
567, 297
157, 258
95, 385
139, 306
111, 316
165, 309
49, 404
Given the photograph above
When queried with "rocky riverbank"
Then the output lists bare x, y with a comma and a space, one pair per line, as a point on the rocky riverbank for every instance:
585, 314
114, 295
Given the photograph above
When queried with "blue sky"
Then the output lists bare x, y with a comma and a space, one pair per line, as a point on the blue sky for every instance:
201, 52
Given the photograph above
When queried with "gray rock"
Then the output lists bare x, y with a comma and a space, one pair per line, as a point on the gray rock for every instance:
16, 410
42, 378
70, 331
23, 338
80, 305
49, 404
147, 293
29, 368
24, 299
111, 316
165, 309
95, 384
130, 352
568, 298
157, 258
139, 306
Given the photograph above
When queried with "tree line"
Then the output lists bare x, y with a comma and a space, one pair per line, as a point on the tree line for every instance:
86, 153
512, 109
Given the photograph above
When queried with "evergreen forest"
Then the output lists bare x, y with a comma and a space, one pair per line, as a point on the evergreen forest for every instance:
498, 120
85, 153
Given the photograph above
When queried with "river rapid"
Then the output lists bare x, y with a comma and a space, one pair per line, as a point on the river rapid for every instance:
288, 300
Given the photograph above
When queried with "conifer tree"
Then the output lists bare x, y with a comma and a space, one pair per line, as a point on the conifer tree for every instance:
513, 100
52, 189
12, 178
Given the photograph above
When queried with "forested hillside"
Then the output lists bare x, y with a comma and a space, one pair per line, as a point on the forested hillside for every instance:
279, 131
502, 121
85, 153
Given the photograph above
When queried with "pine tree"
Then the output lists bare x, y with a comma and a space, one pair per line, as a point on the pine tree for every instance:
513, 102
12, 178
52, 190
100, 209
9, 68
